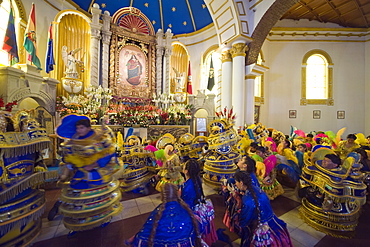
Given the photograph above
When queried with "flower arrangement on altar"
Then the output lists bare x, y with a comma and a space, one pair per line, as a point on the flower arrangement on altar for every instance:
8, 106
145, 115
97, 102
93, 103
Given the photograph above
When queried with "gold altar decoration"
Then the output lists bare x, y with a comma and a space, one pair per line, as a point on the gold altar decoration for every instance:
179, 72
132, 55
71, 29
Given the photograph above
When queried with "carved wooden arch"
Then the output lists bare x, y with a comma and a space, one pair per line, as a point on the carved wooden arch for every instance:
269, 19
42, 98
134, 20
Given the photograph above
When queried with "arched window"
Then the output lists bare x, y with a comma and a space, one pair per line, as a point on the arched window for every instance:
317, 74
209, 55
259, 81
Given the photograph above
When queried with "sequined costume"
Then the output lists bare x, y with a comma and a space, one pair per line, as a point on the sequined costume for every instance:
174, 229
21, 171
288, 170
207, 227
223, 154
136, 160
279, 233
344, 148
332, 198
271, 187
91, 197
170, 171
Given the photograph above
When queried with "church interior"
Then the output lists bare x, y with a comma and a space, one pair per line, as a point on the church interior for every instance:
207, 77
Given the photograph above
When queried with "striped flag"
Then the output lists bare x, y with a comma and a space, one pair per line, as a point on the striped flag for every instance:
190, 86
30, 39
50, 52
10, 40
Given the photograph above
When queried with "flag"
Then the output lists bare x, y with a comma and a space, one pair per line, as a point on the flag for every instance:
30, 39
10, 40
211, 77
50, 53
190, 86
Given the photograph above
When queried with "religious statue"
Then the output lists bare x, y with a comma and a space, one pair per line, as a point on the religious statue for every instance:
71, 62
134, 70
180, 95
180, 81
71, 83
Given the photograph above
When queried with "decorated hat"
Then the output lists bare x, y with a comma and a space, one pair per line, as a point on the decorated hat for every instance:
68, 126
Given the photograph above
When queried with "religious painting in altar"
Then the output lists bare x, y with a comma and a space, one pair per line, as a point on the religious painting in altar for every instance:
132, 67
132, 55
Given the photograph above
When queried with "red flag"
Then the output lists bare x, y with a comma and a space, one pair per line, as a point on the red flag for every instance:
190, 86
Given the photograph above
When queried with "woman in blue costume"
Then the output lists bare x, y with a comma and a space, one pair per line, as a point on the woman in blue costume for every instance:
259, 225
192, 194
171, 224
234, 202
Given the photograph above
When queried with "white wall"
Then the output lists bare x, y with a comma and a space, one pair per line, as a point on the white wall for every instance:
283, 87
367, 88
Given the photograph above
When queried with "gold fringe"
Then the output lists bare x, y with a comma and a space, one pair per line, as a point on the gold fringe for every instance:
30, 181
23, 221
91, 225
85, 213
337, 234
18, 150
26, 239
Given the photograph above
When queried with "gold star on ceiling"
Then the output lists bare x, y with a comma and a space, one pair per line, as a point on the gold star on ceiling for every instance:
170, 25
103, 5
146, 5
184, 23
173, 9
204, 6
154, 22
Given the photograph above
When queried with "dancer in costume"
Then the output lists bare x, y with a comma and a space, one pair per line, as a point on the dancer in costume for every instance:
168, 162
347, 146
21, 172
136, 175
233, 197
170, 172
90, 197
171, 224
268, 181
333, 193
259, 225
223, 154
192, 194
288, 171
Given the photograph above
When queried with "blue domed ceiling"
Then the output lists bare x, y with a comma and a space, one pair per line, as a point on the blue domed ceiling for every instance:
182, 16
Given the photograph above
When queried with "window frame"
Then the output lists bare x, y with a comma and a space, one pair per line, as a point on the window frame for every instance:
329, 100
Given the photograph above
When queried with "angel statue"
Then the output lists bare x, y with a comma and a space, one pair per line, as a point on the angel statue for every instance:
180, 80
71, 62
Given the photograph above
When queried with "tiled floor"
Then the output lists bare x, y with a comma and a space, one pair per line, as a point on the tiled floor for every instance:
137, 208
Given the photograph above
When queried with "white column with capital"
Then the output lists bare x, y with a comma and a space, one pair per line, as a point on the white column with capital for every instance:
95, 44
238, 80
226, 82
159, 62
106, 33
167, 55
